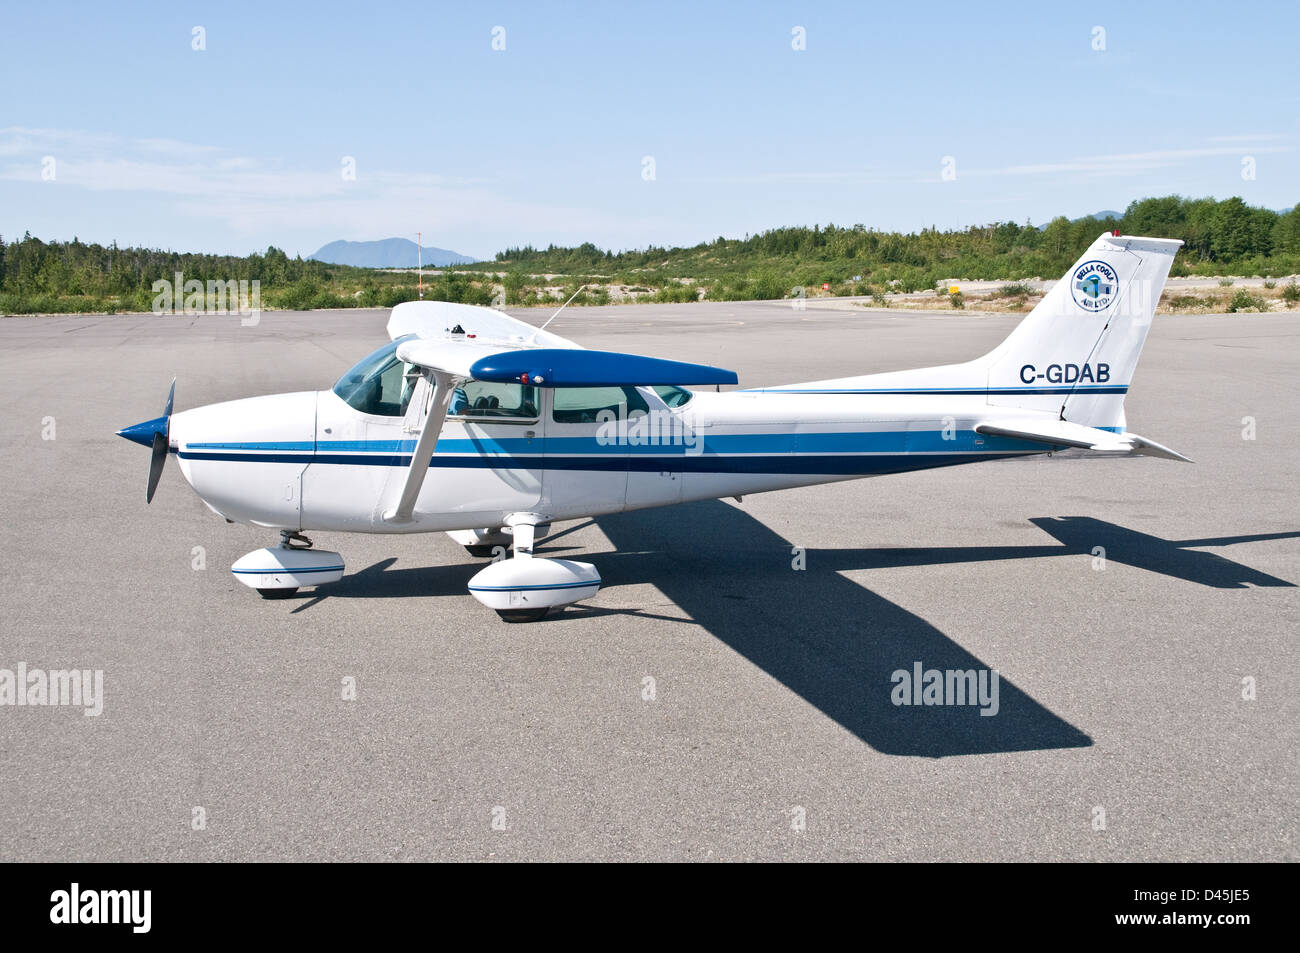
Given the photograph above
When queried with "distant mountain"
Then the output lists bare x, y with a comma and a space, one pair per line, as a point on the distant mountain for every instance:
387, 253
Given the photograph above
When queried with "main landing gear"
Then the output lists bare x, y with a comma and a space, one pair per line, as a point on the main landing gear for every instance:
525, 589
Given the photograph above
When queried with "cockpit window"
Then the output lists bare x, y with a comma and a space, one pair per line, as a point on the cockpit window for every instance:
380, 383
671, 395
493, 400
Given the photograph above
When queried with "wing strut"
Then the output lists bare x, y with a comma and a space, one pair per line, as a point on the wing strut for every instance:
443, 386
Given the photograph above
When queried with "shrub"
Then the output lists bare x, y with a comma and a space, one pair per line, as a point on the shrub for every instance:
1290, 293
1270, 284
675, 293
1225, 282
1180, 302
392, 297
768, 286
912, 281
1016, 290
1243, 300
956, 300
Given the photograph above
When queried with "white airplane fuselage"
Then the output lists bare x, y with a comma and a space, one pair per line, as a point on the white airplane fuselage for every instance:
308, 461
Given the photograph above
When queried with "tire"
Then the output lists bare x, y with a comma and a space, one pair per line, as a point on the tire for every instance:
523, 615
277, 593
484, 550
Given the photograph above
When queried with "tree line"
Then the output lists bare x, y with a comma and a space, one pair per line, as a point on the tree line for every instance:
1221, 237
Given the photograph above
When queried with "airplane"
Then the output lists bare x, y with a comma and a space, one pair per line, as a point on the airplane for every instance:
470, 422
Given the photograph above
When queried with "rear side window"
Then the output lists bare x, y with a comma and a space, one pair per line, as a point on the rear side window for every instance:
583, 405
672, 395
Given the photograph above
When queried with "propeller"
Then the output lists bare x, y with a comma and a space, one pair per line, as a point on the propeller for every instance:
155, 434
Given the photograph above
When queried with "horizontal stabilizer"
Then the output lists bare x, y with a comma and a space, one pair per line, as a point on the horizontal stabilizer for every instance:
1062, 433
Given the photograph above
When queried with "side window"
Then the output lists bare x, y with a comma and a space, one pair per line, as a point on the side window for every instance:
672, 395
475, 400
582, 405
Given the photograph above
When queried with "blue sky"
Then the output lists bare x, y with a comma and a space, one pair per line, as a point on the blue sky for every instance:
243, 144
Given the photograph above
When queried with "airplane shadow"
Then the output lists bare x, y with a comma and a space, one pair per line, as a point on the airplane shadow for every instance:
381, 581
829, 639
1080, 535
836, 643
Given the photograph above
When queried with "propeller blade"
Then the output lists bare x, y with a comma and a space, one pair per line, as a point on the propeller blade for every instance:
156, 435
156, 463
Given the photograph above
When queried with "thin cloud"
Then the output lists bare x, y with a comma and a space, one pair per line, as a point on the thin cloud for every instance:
255, 196
1118, 164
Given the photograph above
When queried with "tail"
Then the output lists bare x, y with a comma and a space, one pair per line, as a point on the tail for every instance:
1076, 352
1059, 379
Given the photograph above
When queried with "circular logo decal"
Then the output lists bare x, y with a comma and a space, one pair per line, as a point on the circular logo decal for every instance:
1094, 285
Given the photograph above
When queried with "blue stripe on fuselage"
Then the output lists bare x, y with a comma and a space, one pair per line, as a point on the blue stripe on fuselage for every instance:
790, 452
948, 391
778, 464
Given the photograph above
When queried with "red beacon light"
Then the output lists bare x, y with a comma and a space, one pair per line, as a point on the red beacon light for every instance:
1115, 233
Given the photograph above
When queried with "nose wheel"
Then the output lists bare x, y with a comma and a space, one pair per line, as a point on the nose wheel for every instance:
523, 615
279, 572
277, 593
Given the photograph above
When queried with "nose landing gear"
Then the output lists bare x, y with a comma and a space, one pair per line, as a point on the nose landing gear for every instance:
278, 572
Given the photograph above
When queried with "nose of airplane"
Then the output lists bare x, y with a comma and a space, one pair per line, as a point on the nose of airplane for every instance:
155, 435
143, 433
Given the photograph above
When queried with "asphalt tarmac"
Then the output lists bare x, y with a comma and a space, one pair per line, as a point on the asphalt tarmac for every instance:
1147, 706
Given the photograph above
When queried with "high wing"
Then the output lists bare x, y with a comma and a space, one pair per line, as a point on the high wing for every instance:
472, 342
437, 319
452, 343
1062, 433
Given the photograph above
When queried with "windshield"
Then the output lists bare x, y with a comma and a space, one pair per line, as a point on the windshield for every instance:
380, 383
